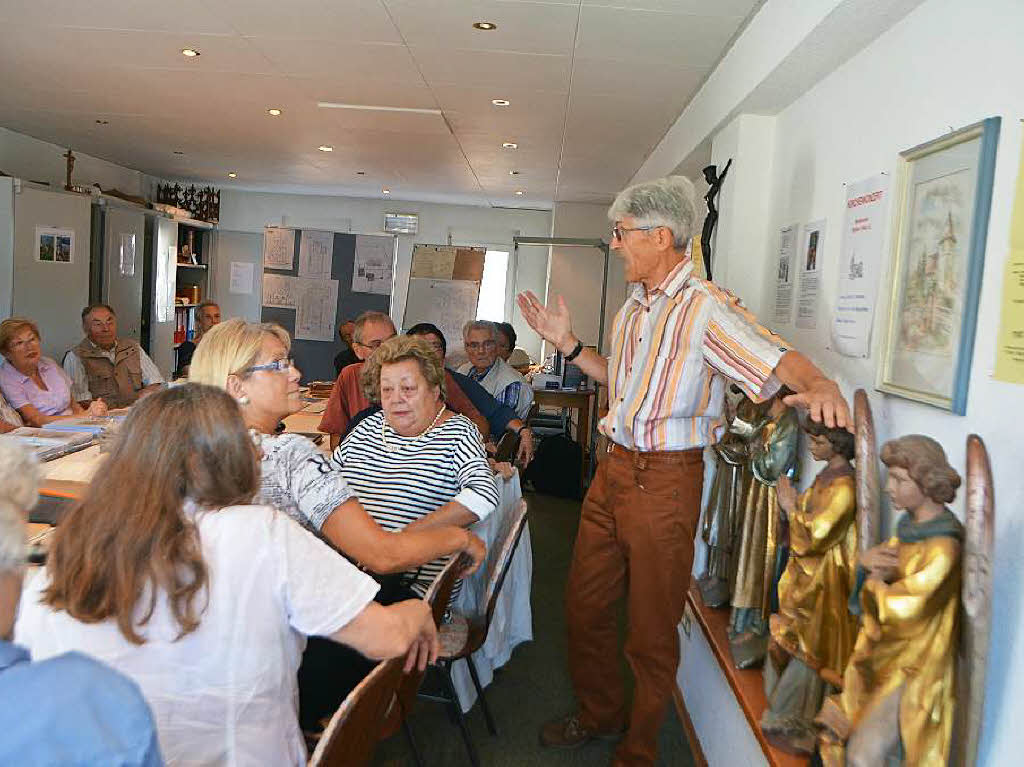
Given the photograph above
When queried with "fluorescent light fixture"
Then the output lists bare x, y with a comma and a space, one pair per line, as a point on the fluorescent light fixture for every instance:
325, 148
232, 175
500, 102
486, 26
510, 145
373, 108
274, 112
513, 173
190, 52
385, 190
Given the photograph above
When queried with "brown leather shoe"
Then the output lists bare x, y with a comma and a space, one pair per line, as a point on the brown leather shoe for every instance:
567, 732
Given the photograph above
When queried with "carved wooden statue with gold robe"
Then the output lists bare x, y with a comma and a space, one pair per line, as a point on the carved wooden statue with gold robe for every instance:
813, 632
897, 701
723, 519
774, 454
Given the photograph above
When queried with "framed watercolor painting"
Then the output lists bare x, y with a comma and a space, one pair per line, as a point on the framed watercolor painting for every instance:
943, 196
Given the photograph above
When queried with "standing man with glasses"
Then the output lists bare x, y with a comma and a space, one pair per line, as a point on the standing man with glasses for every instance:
677, 343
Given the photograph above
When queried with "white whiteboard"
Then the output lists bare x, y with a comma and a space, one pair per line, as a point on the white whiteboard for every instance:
449, 304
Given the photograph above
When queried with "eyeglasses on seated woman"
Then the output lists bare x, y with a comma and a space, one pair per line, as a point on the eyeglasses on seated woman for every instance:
34, 385
167, 573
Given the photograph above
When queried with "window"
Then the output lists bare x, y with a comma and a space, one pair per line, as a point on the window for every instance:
491, 305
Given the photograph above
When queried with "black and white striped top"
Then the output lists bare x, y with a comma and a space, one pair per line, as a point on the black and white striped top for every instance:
410, 477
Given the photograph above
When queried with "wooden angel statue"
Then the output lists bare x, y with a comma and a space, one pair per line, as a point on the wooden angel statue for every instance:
813, 632
897, 701
723, 519
773, 455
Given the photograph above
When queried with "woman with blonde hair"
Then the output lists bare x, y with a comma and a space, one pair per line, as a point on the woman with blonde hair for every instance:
251, 362
167, 573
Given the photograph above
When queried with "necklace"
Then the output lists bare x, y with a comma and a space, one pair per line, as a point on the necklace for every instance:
384, 429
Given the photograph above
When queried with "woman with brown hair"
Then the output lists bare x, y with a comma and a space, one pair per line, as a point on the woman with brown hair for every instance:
165, 572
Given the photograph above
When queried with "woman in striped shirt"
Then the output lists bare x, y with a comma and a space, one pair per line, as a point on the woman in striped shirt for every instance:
415, 464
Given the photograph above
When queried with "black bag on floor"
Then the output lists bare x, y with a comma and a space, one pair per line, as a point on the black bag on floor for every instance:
555, 468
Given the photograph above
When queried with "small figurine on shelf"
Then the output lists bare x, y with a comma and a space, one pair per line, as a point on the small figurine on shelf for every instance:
759, 560
813, 632
69, 156
898, 688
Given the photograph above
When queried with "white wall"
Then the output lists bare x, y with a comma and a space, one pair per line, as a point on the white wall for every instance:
948, 63
34, 160
251, 211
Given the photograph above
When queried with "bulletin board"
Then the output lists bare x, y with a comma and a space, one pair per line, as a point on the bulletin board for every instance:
315, 358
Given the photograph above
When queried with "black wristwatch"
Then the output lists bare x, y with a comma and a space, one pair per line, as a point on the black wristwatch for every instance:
575, 352
521, 429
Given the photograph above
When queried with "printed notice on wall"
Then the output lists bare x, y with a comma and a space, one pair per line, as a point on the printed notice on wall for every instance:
375, 257
785, 275
316, 254
280, 290
317, 309
278, 248
241, 278
127, 254
809, 262
1010, 351
860, 264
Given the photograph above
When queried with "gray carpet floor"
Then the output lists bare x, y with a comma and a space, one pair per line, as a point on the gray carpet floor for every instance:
534, 686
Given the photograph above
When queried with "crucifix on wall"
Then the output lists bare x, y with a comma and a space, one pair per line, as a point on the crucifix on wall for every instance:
70, 157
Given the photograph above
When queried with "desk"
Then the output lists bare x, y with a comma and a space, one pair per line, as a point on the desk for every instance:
513, 618
581, 401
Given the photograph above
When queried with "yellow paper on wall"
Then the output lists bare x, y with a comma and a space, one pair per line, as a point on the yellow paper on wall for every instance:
1010, 349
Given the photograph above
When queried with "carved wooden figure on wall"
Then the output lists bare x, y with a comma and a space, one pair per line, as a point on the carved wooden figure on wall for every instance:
917, 592
774, 454
813, 632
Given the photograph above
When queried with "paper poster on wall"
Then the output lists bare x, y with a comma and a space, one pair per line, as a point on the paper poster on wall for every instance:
810, 275
316, 254
433, 262
55, 246
127, 254
785, 274
860, 264
374, 262
1010, 344
316, 310
278, 248
164, 293
241, 278
449, 304
280, 290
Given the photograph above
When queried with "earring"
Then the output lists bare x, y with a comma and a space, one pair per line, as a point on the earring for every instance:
243, 400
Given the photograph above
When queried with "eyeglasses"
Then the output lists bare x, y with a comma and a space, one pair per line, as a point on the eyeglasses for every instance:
278, 366
372, 345
618, 230
473, 346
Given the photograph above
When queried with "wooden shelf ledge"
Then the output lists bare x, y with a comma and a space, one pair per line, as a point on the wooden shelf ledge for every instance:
747, 685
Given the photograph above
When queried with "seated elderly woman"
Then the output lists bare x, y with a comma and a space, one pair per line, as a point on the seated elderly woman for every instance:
166, 573
36, 386
415, 464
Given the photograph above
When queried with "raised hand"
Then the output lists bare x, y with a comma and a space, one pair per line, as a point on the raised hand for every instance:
824, 403
551, 323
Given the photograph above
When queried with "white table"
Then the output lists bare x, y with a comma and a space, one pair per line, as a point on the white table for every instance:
513, 618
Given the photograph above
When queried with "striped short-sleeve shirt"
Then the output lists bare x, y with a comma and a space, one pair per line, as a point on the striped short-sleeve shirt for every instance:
673, 351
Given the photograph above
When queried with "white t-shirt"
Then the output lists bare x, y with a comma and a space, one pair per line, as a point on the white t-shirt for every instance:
225, 693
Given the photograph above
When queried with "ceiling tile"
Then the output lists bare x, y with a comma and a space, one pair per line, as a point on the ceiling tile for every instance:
500, 70
330, 21
187, 16
380, 61
737, 8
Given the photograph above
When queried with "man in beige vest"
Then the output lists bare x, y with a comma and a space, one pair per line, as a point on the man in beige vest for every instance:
103, 366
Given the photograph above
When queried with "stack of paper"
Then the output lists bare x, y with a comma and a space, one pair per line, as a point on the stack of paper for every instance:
47, 444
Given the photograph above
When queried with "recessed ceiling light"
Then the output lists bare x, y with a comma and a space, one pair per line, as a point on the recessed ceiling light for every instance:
500, 102
513, 173
190, 52
325, 148
274, 112
520, 192
360, 172
510, 145
103, 122
385, 190
232, 175
178, 151
486, 26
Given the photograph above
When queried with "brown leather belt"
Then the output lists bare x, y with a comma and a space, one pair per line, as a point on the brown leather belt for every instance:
691, 455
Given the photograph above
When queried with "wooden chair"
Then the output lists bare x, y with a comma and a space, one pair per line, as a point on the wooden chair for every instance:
352, 734
463, 635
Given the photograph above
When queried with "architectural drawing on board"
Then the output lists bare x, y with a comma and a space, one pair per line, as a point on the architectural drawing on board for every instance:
278, 248
374, 264
929, 307
316, 254
316, 310
280, 290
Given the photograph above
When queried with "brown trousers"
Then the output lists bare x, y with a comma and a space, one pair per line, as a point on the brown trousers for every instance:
635, 539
